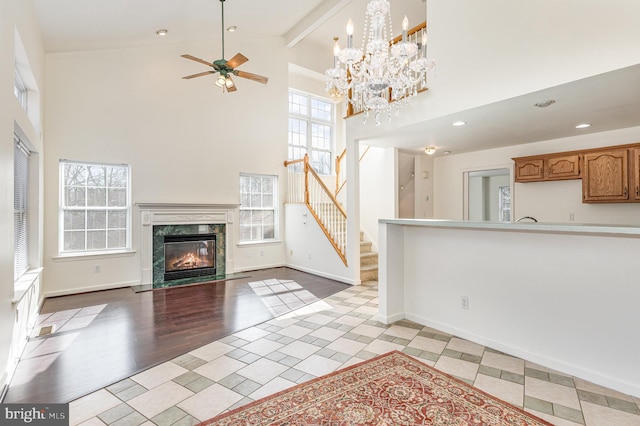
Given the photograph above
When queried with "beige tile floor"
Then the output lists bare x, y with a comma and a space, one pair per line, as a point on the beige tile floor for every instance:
329, 334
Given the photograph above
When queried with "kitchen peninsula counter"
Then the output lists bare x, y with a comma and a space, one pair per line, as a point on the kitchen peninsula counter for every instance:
566, 296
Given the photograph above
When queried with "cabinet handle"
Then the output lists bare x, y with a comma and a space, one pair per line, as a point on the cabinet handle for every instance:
626, 192
637, 191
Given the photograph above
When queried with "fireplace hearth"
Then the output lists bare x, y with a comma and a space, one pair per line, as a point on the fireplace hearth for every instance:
188, 256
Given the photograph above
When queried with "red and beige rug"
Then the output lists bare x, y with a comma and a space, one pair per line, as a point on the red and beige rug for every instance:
391, 389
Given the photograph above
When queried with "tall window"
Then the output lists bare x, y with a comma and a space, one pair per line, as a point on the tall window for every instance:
311, 130
20, 90
258, 213
20, 208
95, 207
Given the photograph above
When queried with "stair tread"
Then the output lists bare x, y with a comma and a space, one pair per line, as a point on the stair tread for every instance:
368, 267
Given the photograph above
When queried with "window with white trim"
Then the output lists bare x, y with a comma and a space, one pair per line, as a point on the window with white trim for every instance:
95, 207
311, 130
258, 207
20, 208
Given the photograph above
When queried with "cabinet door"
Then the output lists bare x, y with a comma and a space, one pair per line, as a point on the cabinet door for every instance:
605, 176
529, 170
636, 174
563, 167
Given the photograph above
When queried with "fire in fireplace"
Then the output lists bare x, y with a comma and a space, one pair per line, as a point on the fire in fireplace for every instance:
187, 256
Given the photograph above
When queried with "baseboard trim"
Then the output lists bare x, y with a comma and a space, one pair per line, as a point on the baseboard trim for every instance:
324, 275
589, 375
79, 290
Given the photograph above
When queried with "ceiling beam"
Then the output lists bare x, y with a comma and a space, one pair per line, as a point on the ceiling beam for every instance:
318, 16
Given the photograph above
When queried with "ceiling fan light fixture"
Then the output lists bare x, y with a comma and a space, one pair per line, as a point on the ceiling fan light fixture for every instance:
430, 150
220, 81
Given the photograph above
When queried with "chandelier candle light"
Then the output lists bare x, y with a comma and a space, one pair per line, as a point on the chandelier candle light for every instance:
371, 80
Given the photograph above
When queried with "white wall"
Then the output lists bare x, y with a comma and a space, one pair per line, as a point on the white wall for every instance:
378, 190
497, 49
185, 141
309, 250
532, 294
546, 201
17, 17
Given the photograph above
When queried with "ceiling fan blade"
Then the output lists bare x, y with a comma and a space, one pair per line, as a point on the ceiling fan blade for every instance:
200, 74
193, 58
250, 76
237, 60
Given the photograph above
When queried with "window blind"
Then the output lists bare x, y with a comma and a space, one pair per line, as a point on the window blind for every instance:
21, 208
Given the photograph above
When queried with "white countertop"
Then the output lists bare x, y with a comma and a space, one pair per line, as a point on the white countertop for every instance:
545, 227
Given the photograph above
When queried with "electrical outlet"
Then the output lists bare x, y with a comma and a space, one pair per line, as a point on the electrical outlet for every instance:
97, 269
261, 252
571, 217
309, 255
290, 252
464, 302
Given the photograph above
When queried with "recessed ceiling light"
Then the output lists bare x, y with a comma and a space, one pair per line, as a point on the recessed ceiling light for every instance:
446, 152
162, 32
583, 125
544, 104
232, 28
458, 123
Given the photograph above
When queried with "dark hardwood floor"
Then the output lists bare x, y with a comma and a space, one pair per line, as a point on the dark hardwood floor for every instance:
114, 334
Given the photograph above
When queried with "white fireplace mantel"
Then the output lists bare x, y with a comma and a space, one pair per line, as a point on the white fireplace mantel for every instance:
182, 214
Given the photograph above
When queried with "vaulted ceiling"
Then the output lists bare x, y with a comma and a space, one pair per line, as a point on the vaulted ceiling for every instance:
76, 25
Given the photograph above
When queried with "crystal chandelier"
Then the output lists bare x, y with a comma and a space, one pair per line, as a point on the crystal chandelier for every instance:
370, 80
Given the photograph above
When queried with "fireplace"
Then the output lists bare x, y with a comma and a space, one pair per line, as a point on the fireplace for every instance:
188, 256
160, 220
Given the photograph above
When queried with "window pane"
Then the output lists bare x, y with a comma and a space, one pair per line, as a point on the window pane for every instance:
321, 136
117, 219
297, 103
96, 197
96, 176
74, 220
75, 175
245, 233
97, 219
117, 177
75, 197
73, 240
117, 197
96, 240
117, 239
321, 110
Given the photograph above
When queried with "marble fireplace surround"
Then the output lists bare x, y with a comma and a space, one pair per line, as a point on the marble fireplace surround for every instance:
152, 214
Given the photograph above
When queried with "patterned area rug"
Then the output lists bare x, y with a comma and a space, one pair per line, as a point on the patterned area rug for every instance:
391, 389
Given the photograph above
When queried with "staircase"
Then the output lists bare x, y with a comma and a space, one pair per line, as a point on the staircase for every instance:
368, 261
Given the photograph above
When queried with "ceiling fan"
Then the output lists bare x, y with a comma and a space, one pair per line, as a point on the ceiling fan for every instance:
226, 68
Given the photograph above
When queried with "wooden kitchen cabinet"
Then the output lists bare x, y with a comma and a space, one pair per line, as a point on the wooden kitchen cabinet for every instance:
635, 187
563, 167
529, 170
605, 176
547, 167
